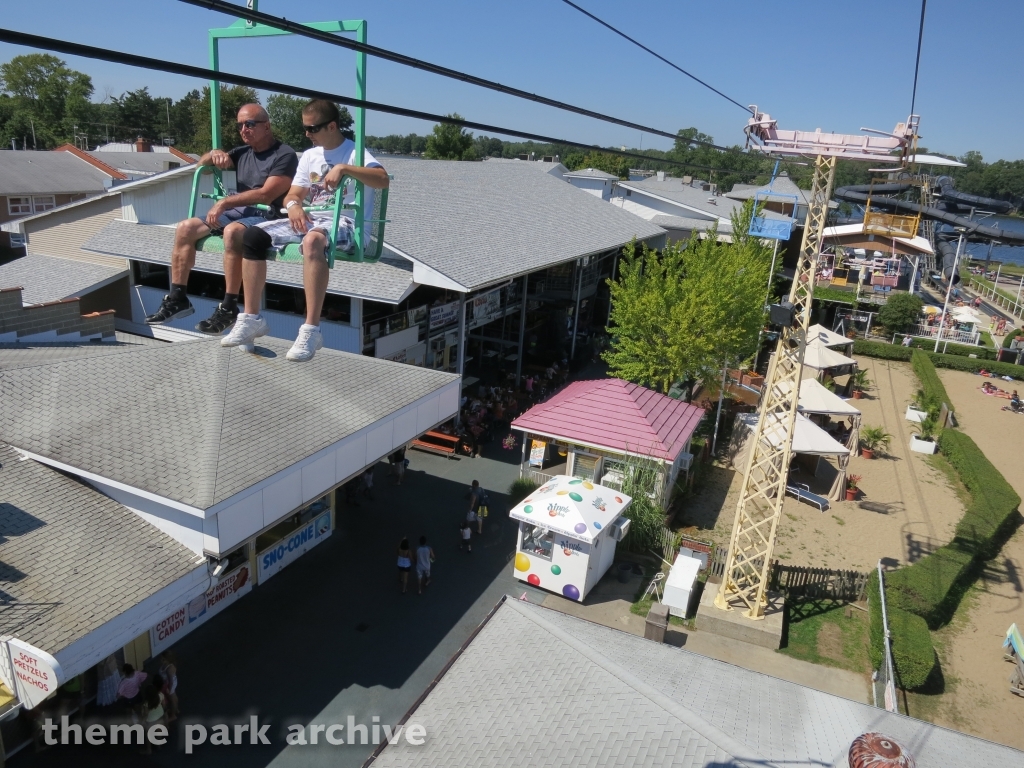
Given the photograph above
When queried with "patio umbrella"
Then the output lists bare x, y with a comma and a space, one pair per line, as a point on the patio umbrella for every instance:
571, 506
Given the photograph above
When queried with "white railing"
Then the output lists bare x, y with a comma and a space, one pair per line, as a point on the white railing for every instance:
538, 477
948, 334
885, 675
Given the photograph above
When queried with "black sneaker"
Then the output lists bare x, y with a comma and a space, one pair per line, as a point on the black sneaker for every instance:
170, 309
219, 321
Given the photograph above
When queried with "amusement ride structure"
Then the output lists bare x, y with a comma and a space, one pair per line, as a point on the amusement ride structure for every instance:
748, 561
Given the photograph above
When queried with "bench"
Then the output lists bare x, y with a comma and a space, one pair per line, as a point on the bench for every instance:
803, 493
437, 442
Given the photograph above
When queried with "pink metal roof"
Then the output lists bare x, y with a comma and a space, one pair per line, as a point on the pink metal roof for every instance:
617, 415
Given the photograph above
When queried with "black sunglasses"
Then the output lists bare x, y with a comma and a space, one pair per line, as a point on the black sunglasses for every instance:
316, 128
250, 124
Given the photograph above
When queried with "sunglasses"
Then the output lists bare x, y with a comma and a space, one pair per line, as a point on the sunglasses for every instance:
250, 124
316, 128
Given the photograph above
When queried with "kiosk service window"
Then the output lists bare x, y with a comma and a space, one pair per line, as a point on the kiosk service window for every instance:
537, 541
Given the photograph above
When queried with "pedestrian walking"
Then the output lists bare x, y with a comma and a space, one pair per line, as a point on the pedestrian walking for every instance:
130, 688
366, 483
169, 674
108, 680
404, 563
424, 557
398, 463
465, 537
477, 506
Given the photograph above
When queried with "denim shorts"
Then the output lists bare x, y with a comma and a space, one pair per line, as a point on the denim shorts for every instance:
247, 217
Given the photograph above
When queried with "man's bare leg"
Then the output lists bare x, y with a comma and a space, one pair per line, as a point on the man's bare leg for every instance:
314, 279
226, 313
183, 257
254, 276
315, 274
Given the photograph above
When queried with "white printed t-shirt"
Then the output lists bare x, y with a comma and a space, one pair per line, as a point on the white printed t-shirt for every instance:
313, 167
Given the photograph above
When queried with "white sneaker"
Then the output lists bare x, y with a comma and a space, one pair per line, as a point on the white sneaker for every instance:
247, 329
306, 344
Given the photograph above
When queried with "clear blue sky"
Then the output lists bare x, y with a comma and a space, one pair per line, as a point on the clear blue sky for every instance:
809, 63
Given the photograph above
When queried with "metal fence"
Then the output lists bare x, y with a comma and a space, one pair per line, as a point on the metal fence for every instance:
948, 334
883, 679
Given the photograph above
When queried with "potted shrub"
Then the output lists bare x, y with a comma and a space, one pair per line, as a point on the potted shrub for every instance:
873, 439
924, 441
917, 411
859, 381
851, 487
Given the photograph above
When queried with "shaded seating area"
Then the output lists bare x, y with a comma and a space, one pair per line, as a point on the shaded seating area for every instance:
811, 444
436, 442
821, 405
820, 358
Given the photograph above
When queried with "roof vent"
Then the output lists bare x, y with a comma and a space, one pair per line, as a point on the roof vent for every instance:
661, 175
712, 201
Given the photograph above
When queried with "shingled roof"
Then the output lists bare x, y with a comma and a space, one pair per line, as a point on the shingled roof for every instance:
480, 223
197, 423
72, 559
615, 414
538, 687
48, 278
388, 280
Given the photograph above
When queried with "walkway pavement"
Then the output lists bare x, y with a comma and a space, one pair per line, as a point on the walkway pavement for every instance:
331, 636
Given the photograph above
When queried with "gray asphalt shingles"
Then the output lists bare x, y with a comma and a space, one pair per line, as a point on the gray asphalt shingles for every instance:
48, 278
387, 280
480, 223
72, 559
198, 422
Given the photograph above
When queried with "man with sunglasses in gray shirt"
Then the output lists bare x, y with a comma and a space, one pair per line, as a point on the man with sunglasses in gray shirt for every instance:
264, 168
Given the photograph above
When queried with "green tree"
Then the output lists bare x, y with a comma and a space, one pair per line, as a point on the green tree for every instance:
901, 311
286, 116
45, 95
448, 142
232, 97
685, 311
139, 114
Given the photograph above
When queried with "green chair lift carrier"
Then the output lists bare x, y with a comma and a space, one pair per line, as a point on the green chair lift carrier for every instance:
378, 216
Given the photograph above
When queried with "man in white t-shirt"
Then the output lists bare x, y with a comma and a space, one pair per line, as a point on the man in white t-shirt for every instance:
316, 182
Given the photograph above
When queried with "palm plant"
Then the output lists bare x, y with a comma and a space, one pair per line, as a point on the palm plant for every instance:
875, 438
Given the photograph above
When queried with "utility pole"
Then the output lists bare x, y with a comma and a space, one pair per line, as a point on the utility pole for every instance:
33, 124
949, 288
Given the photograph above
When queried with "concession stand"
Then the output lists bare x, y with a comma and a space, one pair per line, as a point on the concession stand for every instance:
568, 529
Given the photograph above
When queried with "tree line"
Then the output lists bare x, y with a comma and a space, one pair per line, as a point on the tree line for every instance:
44, 104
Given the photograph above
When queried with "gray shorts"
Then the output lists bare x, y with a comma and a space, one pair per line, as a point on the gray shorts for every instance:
247, 217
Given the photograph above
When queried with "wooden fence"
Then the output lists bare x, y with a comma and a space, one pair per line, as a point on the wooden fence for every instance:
818, 583
801, 581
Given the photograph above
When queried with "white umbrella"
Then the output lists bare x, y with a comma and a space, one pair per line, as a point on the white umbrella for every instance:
820, 357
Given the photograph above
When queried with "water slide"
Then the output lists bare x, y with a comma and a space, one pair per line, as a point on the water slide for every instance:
964, 200
975, 230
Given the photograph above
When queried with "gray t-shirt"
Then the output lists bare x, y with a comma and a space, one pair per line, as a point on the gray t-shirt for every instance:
423, 558
252, 169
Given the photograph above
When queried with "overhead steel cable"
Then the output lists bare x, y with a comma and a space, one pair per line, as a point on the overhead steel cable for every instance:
917, 65
409, 61
145, 62
658, 56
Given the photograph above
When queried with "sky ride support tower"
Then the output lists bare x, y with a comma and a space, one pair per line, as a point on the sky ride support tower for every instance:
748, 562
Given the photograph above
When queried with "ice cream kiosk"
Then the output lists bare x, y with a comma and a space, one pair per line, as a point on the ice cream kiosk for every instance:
568, 529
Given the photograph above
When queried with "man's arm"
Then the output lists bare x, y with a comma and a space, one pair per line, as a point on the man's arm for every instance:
272, 189
299, 219
375, 177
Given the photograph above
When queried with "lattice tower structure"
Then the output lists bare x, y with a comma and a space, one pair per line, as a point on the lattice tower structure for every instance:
752, 542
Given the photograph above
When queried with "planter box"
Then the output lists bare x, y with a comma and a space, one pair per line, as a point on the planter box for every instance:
922, 446
753, 380
915, 415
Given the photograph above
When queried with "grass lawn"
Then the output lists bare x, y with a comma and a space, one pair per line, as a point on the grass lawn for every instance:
830, 638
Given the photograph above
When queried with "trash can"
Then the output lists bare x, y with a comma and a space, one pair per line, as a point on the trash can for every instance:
657, 623
624, 571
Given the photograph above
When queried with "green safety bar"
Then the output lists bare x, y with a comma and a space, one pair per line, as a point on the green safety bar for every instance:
290, 253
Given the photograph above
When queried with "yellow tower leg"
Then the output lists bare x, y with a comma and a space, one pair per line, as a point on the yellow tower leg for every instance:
748, 564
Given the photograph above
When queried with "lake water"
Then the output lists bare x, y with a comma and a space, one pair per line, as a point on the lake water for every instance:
1004, 253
